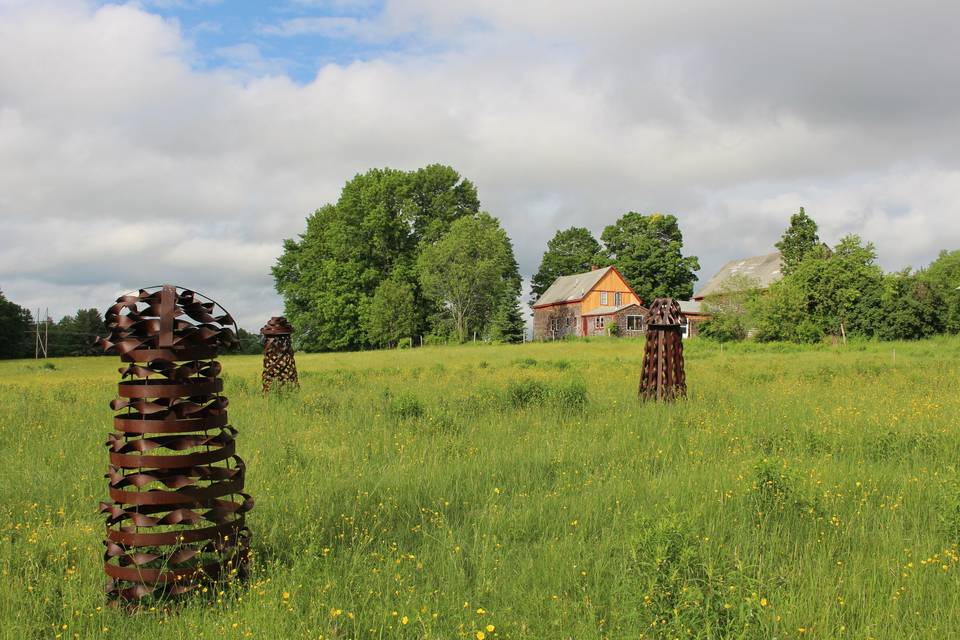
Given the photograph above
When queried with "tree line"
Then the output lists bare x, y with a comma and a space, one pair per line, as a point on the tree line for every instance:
837, 292
72, 335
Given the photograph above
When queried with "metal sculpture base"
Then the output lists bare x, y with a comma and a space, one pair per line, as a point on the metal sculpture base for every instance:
662, 378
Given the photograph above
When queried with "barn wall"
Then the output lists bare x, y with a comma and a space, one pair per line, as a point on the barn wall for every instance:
567, 318
611, 283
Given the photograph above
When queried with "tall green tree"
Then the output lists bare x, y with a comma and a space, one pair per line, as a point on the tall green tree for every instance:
15, 322
797, 241
506, 323
377, 228
782, 314
391, 314
470, 272
836, 292
647, 250
943, 276
911, 308
74, 335
572, 250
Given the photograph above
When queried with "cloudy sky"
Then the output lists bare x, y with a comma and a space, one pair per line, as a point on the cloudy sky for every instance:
182, 140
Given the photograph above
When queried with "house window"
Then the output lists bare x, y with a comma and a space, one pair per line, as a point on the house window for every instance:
568, 321
634, 323
554, 323
603, 298
598, 322
617, 299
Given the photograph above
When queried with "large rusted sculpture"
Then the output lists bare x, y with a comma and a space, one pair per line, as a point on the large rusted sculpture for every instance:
662, 377
177, 513
279, 366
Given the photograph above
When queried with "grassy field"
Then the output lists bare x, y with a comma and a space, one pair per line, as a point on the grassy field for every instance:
522, 492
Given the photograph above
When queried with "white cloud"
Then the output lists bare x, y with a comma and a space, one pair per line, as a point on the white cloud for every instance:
121, 165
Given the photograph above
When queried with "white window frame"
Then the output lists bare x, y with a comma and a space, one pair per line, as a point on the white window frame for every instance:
637, 323
604, 299
598, 322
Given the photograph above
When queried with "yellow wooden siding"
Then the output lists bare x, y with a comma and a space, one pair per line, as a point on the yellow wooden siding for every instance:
611, 283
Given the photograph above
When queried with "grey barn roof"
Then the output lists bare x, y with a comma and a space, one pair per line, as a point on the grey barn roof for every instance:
571, 288
690, 306
764, 269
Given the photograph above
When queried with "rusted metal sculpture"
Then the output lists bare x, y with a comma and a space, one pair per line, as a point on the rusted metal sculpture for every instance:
279, 366
662, 378
177, 516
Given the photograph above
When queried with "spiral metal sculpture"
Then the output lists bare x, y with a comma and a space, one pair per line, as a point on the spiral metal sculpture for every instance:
177, 516
662, 378
279, 365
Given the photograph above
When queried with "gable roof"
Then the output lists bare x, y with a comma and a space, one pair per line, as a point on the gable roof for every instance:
764, 269
571, 288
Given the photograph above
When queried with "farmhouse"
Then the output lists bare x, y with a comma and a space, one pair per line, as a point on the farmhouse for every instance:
588, 304
763, 270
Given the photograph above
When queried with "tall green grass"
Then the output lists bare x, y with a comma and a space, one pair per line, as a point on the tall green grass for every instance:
431, 493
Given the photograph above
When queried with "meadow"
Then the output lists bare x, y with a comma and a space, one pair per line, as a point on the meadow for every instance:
495, 492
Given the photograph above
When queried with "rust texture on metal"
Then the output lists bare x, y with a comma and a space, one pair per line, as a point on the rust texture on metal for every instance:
662, 378
177, 513
279, 365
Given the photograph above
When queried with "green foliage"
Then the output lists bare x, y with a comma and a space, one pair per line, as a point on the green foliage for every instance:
572, 250
375, 231
249, 342
798, 241
15, 321
835, 293
730, 309
76, 335
912, 308
391, 314
471, 273
647, 252
943, 277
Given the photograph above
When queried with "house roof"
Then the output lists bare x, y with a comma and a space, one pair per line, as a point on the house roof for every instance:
608, 310
764, 269
690, 306
571, 288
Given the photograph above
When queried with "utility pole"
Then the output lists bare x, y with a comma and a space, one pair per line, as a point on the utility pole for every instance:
41, 341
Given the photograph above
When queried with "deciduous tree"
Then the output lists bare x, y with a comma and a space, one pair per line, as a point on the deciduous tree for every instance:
469, 272
647, 250
15, 324
378, 227
798, 240
572, 250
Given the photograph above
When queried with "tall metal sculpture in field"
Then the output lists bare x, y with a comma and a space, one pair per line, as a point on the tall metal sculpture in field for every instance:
177, 513
279, 366
662, 377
